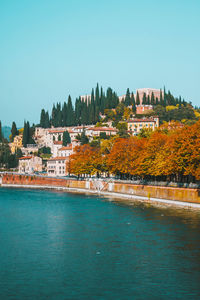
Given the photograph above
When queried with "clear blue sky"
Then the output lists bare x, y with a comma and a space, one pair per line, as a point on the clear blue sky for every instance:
49, 49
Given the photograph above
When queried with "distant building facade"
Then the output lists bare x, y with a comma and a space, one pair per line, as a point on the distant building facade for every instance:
56, 166
30, 164
17, 143
135, 125
142, 109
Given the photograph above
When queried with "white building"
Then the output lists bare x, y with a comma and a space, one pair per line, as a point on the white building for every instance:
30, 149
56, 166
30, 164
55, 147
95, 131
65, 151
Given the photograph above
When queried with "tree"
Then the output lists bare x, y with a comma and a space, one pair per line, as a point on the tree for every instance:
66, 138
18, 153
84, 139
127, 101
14, 131
25, 135
152, 98
122, 130
70, 112
47, 121
137, 99
144, 99
42, 118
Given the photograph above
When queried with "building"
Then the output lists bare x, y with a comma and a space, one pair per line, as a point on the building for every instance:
86, 98
96, 131
30, 149
148, 92
135, 125
65, 151
142, 109
56, 166
17, 143
30, 164
55, 147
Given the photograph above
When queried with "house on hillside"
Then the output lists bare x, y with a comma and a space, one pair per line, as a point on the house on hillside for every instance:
56, 166
17, 143
65, 151
135, 125
30, 164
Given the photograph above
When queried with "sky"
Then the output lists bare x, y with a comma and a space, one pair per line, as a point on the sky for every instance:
50, 49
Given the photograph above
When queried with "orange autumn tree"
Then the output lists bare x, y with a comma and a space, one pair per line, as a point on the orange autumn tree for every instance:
152, 155
186, 147
85, 160
170, 153
123, 158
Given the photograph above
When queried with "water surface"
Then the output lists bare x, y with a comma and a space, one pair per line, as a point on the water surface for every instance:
55, 245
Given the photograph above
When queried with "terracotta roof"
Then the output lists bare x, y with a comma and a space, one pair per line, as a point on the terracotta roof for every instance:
57, 142
57, 158
102, 129
25, 157
56, 131
141, 120
66, 148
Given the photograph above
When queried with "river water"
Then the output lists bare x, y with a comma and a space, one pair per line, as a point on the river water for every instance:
56, 245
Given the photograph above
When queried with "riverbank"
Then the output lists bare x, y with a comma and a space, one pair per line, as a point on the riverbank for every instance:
119, 196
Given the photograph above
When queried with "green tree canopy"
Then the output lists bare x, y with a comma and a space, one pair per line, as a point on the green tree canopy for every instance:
66, 138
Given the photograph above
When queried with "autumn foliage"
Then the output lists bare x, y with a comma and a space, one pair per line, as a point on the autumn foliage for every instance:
171, 152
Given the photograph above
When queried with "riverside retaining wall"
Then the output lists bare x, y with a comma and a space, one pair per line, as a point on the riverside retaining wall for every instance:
170, 193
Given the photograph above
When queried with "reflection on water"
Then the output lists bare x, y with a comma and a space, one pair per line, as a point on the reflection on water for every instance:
56, 245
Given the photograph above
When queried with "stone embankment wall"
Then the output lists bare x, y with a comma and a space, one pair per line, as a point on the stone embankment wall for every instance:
170, 193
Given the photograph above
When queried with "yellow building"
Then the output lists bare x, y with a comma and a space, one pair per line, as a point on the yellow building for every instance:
17, 143
135, 125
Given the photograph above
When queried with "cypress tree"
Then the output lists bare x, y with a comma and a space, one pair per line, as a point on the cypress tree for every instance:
165, 98
102, 101
152, 98
64, 114
92, 108
144, 99
157, 101
132, 98
42, 118
70, 112
78, 109
127, 98
97, 97
137, 99
25, 135
134, 107
14, 131
58, 115
66, 138
84, 114
29, 135
84, 139
161, 97
47, 121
